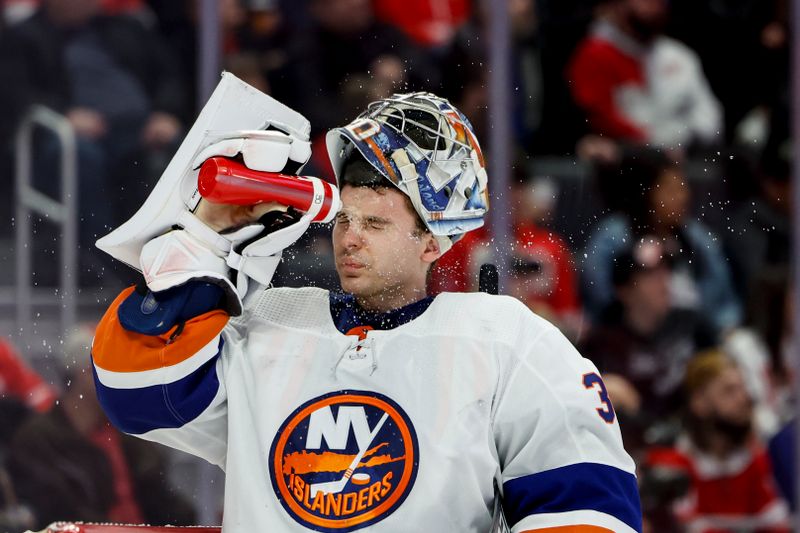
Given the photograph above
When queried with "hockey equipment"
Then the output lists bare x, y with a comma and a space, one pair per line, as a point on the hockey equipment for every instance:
226, 181
198, 252
80, 527
237, 120
454, 423
488, 279
427, 149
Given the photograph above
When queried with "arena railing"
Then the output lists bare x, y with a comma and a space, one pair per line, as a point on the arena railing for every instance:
30, 202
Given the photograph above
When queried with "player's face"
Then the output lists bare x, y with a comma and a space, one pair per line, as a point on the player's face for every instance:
381, 256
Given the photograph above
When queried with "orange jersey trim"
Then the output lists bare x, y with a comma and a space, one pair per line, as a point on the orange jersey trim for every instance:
570, 529
118, 350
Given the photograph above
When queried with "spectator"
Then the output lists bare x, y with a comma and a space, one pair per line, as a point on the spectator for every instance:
771, 313
464, 75
430, 23
346, 41
115, 83
643, 338
71, 464
542, 271
749, 41
759, 242
636, 85
22, 393
562, 25
14, 516
731, 479
19, 382
249, 36
651, 196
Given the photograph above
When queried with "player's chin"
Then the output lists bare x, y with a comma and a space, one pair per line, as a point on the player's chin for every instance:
352, 283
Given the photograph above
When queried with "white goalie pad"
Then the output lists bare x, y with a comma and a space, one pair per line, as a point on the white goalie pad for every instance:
237, 119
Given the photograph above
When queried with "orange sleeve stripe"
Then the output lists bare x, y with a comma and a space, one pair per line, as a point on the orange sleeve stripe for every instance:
118, 350
570, 529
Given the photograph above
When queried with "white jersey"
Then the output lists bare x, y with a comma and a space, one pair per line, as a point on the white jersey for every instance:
403, 429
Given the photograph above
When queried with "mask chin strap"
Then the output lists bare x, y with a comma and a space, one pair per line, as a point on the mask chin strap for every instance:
409, 174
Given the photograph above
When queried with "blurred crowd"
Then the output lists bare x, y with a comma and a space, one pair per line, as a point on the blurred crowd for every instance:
669, 124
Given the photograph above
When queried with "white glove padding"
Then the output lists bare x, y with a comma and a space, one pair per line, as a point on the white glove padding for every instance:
178, 257
259, 259
199, 253
267, 151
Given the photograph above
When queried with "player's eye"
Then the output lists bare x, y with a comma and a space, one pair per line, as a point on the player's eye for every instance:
375, 223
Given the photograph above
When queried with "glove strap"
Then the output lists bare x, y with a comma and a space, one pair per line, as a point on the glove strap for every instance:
199, 230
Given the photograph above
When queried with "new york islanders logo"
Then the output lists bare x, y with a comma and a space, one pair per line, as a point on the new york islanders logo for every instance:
344, 461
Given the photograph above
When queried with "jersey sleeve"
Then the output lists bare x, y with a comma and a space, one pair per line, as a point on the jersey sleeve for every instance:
157, 362
563, 465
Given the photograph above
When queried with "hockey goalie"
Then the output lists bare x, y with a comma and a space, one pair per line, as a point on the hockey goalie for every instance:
377, 407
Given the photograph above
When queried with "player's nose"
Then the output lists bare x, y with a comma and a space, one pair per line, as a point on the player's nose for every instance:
352, 237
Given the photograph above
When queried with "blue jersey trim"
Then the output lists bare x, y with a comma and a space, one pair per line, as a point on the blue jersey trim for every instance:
155, 313
347, 314
578, 487
171, 405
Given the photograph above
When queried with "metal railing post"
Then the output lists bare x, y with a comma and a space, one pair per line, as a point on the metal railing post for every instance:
30, 201
23, 173
500, 136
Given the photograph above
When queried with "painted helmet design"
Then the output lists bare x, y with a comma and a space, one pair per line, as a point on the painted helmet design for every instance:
427, 148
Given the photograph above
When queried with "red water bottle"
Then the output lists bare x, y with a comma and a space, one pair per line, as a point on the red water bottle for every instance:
225, 181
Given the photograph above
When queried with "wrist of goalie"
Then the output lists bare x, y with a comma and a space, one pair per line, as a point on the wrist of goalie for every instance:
177, 258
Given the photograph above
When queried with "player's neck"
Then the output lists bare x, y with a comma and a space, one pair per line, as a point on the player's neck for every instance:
391, 299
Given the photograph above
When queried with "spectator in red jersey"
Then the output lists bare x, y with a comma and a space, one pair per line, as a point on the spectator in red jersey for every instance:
428, 22
22, 393
636, 85
71, 464
731, 481
542, 269
19, 381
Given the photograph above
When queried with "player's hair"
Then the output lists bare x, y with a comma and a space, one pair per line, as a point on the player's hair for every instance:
358, 172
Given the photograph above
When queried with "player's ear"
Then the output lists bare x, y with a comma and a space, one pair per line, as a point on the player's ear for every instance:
432, 250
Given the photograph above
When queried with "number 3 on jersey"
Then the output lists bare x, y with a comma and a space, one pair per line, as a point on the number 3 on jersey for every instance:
594, 381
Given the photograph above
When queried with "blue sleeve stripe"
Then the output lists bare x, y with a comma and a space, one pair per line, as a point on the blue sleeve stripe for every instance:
582, 486
157, 313
170, 405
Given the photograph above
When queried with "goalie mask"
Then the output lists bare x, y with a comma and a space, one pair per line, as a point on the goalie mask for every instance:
426, 148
